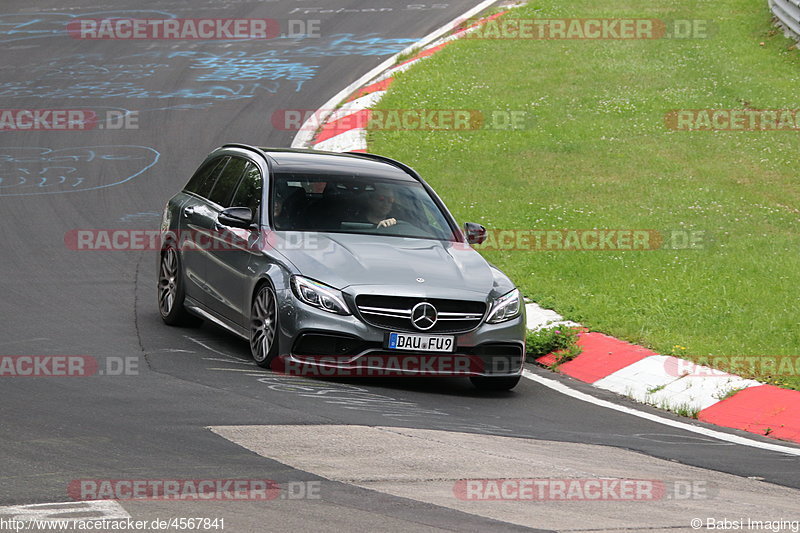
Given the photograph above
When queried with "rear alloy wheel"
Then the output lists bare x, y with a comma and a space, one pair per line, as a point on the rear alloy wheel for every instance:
495, 383
170, 290
264, 327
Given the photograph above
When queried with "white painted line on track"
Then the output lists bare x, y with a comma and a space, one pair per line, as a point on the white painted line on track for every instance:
359, 104
88, 510
248, 363
306, 134
233, 370
229, 356
396, 70
736, 439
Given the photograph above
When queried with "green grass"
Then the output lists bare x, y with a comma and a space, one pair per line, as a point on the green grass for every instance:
687, 410
729, 393
561, 341
598, 155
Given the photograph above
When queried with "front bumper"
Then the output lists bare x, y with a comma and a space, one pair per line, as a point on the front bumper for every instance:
318, 343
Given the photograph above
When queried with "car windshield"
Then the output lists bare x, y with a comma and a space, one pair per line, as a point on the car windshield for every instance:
356, 204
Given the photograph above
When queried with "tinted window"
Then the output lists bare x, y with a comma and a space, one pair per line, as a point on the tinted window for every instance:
208, 184
199, 179
226, 184
249, 192
356, 204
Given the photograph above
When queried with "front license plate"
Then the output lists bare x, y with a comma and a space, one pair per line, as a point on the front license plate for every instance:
422, 343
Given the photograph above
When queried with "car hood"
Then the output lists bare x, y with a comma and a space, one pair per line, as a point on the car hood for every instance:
343, 260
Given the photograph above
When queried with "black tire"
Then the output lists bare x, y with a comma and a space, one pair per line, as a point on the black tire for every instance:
495, 383
171, 293
264, 326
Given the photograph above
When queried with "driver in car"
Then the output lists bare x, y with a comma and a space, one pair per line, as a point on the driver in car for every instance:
378, 206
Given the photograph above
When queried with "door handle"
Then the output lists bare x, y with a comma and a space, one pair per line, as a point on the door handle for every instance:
189, 211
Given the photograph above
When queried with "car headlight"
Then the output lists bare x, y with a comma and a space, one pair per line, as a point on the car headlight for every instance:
505, 308
319, 295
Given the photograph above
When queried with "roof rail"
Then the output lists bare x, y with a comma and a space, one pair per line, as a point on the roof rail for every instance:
383, 159
245, 147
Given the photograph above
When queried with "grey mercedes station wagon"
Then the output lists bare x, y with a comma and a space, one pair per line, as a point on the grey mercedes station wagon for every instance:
349, 264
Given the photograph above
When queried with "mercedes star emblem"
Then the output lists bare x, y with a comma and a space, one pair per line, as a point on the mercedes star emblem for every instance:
423, 316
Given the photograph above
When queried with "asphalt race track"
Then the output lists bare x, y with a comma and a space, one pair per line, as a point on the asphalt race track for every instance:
155, 420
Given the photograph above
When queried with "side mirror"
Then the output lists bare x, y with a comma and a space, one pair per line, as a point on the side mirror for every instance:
475, 233
236, 217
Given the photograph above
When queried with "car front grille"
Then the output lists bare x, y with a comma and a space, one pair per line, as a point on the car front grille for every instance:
394, 312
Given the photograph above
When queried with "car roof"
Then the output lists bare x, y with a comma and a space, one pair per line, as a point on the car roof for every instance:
290, 160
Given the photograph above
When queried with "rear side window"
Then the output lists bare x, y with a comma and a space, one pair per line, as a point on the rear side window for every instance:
206, 176
226, 184
249, 192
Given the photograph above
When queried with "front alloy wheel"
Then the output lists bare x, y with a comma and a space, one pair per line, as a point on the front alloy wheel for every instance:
170, 290
264, 327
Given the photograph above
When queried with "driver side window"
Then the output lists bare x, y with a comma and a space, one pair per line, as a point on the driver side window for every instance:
248, 194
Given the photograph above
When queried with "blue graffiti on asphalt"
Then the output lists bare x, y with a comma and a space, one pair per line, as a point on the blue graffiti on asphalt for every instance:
348, 44
227, 66
226, 75
263, 74
340, 44
20, 26
56, 70
103, 90
35, 170
223, 68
